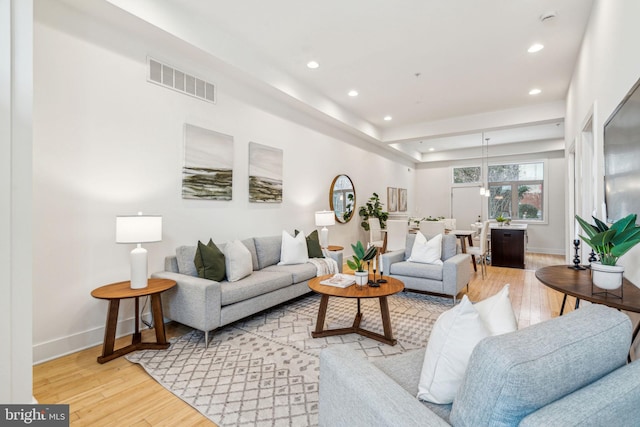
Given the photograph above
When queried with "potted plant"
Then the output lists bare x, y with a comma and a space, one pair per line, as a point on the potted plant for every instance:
360, 256
610, 243
373, 209
501, 219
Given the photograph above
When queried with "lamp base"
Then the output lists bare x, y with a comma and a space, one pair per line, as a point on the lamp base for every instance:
324, 237
139, 275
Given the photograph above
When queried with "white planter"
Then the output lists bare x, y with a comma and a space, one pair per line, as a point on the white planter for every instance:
606, 276
362, 277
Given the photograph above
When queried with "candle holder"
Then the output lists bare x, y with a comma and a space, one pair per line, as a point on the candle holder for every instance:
576, 258
370, 282
592, 258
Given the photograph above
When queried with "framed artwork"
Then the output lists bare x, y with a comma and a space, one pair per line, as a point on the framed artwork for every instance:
265, 174
207, 173
392, 199
402, 199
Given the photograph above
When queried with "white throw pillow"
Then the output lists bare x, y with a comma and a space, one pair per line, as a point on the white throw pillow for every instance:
453, 338
497, 313
237, 260
293, 249
426, 252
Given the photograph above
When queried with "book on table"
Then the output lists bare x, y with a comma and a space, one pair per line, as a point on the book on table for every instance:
340, 280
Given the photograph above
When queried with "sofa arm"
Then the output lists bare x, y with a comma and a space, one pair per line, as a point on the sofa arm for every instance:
194, 302
354, 392
388, 258
456, 273
610, 401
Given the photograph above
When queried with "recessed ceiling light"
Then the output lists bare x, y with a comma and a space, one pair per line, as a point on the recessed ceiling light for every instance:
353, 93
387, 118
313, 65
534, 91
431, 149
536, 47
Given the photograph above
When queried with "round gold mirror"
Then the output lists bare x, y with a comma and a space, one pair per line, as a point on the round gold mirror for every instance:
342, 198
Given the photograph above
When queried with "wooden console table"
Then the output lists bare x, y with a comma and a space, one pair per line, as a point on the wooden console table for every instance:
121, 290
577, 283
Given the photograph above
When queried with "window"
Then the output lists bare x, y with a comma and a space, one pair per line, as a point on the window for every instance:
516, 191
466, 175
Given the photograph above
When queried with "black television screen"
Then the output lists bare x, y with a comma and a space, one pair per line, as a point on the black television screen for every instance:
622, 158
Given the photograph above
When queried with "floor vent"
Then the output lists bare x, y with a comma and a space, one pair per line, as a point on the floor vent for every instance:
172, 78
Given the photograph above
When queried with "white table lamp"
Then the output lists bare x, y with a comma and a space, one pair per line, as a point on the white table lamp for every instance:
138, 229
324, 218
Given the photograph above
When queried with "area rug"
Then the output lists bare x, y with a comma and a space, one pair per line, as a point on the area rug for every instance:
264, 370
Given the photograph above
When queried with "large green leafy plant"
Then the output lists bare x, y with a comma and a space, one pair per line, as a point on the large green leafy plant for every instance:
610, 243
373, 209
360, 256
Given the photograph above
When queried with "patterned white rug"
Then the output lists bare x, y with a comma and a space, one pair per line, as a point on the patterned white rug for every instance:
263, 371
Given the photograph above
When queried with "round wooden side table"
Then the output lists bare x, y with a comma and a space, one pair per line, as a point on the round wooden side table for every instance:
122, 290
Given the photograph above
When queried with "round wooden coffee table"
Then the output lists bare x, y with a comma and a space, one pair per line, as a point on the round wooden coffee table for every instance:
393, 286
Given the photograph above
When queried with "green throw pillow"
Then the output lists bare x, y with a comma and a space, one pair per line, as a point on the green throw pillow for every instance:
314, 250
209, 261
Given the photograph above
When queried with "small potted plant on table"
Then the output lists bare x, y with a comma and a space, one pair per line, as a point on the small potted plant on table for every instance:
610, 243
360, 256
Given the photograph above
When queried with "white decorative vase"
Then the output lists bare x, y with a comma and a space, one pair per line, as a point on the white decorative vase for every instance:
362, 277
607, 277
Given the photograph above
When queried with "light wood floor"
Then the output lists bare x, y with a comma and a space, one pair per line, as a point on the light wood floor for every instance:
120, 393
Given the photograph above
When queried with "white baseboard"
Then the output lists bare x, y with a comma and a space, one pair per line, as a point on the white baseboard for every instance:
548, 251
49, 350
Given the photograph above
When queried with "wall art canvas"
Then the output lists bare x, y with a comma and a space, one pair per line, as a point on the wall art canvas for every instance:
208, 164
402, 199
392, 199
265, 173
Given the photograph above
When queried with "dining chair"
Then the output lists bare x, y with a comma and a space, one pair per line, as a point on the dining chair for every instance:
397, 231
431, 228
482, 250
376, 237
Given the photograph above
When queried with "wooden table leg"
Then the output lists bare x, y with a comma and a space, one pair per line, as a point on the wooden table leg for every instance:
110, 330
386, 320
158, 318
322, 314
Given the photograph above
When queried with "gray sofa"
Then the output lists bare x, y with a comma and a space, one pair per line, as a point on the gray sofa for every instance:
446, 279
567, 371
206, 304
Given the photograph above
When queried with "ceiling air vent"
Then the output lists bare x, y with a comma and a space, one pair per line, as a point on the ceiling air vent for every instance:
172, 78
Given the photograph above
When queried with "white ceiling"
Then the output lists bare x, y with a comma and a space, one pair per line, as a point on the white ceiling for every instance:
444, 70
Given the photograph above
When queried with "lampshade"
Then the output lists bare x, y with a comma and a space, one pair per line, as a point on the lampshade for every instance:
324, 218
138, 228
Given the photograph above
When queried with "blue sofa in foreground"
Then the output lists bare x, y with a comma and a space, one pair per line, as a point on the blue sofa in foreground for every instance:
568, 371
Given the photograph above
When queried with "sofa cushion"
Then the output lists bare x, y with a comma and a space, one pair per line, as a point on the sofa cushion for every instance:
210, 261
267, 250
293, 249
258, 283
449, 246
497, 312
237, 260
426, 251
314, 250
250, 244
184, 257
413, 269
511, 375
453, 338
404, 369
299, 272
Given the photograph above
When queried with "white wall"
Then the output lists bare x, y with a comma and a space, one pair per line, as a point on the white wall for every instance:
433, 197
107, 142
606, 69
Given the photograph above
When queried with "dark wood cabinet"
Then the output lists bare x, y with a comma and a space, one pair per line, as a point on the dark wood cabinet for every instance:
507, 247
